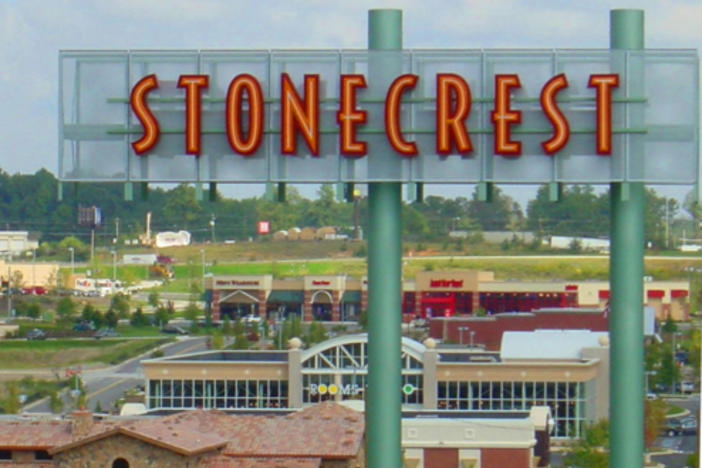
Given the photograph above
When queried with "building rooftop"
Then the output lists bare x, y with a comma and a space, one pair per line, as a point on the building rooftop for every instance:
297, 440
548, 344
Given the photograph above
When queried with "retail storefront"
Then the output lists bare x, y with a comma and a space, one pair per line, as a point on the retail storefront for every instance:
433, 379
430, 294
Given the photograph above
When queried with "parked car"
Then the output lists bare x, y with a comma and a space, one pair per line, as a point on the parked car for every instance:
174, 329
687, 387
105, 333
83, 326
36, 334
684, 426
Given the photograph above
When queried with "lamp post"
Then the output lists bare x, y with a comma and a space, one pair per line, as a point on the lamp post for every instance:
460, 334
675, 363
114, 264
212, 227
202, 256
73, 259
648, 387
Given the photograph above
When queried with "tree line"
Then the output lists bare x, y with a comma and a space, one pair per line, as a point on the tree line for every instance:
29, 202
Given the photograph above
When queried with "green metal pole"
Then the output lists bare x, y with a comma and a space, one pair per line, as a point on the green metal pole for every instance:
383, 399
626, 403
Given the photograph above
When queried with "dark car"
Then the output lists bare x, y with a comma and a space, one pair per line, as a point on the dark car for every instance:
684, 426
83, 326
36, 334
174, 329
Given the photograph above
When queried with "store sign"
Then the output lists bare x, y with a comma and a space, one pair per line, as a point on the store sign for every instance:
264, 227
446, 283
442, 116
236, 283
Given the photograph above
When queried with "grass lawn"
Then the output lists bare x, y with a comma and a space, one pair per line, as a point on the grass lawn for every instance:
63, 353
507, 267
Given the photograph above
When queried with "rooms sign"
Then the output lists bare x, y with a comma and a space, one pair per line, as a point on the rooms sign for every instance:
453, 116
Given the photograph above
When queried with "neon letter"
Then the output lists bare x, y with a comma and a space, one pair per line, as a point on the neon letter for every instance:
604, 85
392, 115
296, 114
451, 127
561, 129
348, 116
241, 83
192, 85
503, 117
138, 102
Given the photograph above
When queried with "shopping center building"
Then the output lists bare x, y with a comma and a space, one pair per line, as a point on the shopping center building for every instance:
431, 293
567, 370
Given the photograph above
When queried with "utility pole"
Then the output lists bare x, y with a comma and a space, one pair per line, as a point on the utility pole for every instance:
212, 226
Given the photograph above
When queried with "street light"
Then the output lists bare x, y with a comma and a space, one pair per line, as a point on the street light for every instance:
460, 333
202, 254
648, 373
114, 264
675, 363
73, 259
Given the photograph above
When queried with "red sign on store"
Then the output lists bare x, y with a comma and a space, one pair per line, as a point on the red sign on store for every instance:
264, 227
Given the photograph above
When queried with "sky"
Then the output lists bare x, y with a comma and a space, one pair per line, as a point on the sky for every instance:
33, 31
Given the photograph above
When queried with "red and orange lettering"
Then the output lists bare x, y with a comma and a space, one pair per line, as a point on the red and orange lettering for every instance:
193, 84
137, 100
450, 123
298, 114
392, 115
604, 85
235, 135
348, 116
503, 116
561, 129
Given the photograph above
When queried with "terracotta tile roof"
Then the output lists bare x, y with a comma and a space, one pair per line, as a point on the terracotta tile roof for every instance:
326, 430
182, 433
33, 434
250, 462
33, 464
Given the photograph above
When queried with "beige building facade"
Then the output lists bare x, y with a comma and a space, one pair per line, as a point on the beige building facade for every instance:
575, 387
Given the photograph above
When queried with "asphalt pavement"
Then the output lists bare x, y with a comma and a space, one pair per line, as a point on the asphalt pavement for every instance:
109, 384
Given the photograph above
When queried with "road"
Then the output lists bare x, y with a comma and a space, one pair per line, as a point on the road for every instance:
681, 445
107, 385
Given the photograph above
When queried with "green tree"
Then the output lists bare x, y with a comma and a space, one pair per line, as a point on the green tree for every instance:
500, 214
111, 318
654, 420
192, 312
65, 309
670, 326
241, 342
11, 404
120, 304
182, 206
154, 299
217, 341
162, 316
592, 449
227, 326
138, 319
33, 310
55, 402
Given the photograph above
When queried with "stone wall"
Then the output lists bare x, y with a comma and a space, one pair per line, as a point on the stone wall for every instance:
103, 452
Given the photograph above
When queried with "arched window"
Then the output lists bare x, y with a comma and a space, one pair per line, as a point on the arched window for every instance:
120, 463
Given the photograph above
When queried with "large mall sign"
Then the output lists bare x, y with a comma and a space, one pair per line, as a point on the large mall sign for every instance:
435, 116
625, 116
